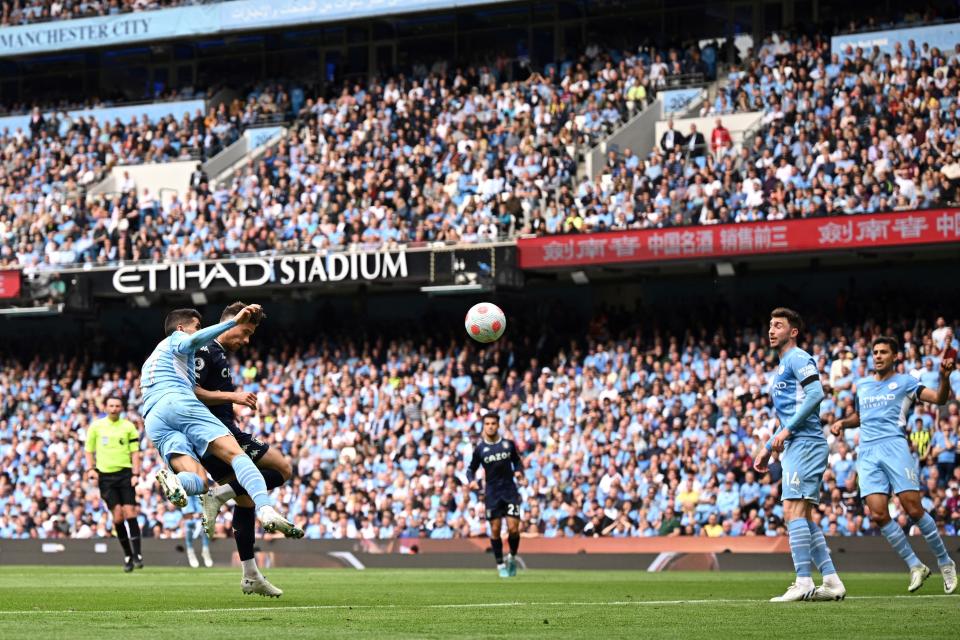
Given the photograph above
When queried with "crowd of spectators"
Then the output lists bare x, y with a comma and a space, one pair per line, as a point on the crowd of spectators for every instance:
461, 156
845, 134
45, 218
17, 12
465, 155
628, 431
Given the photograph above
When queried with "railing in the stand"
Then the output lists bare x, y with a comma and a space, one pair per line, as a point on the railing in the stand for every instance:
682, 80
633, 134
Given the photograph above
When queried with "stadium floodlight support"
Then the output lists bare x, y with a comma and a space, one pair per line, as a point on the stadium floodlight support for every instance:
454, 289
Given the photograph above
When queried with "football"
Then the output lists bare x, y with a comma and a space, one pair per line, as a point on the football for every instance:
485, 322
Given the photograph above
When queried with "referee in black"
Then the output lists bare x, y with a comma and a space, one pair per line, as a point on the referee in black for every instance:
113, 459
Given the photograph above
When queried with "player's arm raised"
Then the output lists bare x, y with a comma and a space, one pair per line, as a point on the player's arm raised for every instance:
942, 394
251, 313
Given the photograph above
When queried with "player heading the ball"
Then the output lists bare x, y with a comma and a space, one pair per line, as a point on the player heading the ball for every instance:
183, 429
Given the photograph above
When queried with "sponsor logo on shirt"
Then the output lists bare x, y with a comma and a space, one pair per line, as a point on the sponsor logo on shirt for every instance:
496, 457
880, 400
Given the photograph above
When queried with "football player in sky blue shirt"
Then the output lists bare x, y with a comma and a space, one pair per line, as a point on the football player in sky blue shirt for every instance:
885, 464
796, 392
183, 430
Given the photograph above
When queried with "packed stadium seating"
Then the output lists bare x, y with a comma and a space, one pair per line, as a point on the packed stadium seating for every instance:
527, 129
45, 218
29, 11
628, 433
468, 157
867, 134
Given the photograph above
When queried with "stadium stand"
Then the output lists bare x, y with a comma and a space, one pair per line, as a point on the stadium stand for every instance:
510, 137
867, 134
15, 12
628, 432
466, 156
30, 11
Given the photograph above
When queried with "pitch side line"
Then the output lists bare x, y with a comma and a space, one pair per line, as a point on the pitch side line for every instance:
464, 605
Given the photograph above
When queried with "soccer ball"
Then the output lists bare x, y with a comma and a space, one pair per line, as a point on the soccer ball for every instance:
485, 322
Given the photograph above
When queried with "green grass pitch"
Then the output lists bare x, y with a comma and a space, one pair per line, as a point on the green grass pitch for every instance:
165, 604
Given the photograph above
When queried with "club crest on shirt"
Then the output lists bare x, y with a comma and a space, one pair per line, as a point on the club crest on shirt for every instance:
892, 385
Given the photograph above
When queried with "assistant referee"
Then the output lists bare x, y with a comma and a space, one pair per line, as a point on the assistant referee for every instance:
113, 457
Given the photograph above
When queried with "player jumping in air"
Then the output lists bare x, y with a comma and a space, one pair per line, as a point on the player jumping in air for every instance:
501, 469
884, 462
184, 430
797, 394
215, 389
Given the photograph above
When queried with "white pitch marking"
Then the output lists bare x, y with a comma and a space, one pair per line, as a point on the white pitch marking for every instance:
464, 605
349, 558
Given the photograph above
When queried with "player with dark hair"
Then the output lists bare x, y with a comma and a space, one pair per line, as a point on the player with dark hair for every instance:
502, 468
215, 389
182, 429
797, 393
885, 464
113, 459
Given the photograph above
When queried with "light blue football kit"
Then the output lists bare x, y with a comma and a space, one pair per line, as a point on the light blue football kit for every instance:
804, 457
177, 422
884, 462
805, 454
174, 419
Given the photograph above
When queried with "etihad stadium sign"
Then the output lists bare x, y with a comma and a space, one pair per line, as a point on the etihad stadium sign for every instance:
260, 272
399, 268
